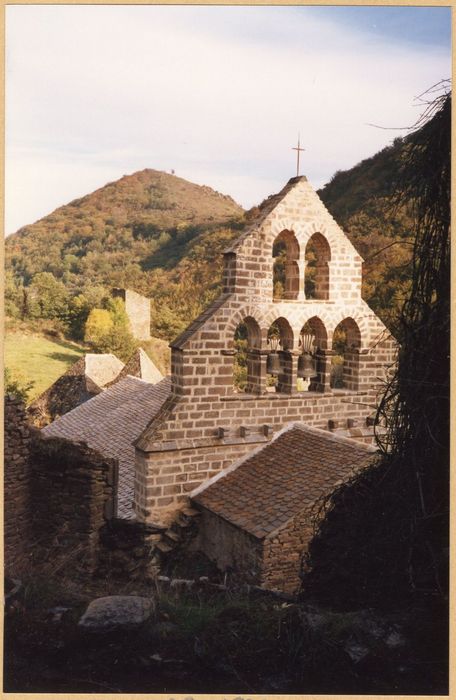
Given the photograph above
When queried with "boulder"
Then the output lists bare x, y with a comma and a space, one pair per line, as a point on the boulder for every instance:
116, 612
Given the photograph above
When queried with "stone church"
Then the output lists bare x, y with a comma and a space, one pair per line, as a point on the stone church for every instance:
250, 459
205, 424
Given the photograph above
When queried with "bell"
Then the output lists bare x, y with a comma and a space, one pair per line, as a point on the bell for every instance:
273, 364
307, 366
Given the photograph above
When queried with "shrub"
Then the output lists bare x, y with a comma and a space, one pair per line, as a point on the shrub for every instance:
17, 384
98, 326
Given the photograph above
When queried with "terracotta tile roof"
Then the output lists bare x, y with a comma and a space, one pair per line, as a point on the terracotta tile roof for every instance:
110, 422
277, 482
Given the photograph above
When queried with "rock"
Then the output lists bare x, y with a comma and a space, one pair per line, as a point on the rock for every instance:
57, 614
115, 613
165, 630
182, 583
355, 650
394, 640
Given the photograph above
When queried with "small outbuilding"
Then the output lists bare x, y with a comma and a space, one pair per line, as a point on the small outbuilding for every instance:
258, 515
82, 381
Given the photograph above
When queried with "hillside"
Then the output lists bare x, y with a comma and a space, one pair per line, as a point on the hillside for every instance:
37, 359
363, 200
130, 233
128, 222
163, 236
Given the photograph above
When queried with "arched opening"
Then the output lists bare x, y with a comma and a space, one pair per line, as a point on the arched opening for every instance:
285, 252
312, 363
316, 279
279, 362
345, 360
246, 360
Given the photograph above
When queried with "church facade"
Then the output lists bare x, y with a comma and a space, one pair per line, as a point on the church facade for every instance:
292, 292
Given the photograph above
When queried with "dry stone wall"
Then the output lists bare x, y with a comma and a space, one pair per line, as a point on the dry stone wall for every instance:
125, 550
283, 552
17, 528
73, 492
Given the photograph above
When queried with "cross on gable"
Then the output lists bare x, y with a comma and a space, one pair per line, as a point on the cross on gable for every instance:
298, 149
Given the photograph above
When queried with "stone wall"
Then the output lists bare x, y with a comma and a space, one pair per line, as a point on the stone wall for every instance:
274, 563
16, 486
170, 471
126, 548
73, 491
165, 479
138, 312
231, 548
283, 551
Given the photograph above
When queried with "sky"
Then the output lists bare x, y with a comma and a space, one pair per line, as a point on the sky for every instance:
216, 93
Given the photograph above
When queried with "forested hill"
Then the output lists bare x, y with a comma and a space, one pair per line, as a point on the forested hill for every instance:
124, 222
151, 231
364, 202
163, 236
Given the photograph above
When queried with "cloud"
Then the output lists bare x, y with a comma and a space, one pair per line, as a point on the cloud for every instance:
217, 93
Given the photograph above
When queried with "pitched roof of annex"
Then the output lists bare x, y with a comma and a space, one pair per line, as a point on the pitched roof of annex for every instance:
266, 490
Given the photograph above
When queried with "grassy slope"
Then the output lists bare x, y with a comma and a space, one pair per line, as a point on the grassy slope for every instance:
31, 357
41, 360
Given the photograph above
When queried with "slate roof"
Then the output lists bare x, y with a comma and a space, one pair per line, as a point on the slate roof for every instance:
280, 480
83, 380
110, 422
140, 365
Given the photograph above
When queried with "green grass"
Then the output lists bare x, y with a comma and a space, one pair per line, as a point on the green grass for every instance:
38, 359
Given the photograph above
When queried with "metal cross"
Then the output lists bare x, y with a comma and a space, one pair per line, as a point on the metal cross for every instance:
298, 149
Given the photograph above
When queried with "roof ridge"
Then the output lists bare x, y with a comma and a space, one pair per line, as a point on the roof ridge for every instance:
333, 436
269, 204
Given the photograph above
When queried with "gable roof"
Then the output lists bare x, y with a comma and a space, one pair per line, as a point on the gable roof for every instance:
140, 365
102, 367
280, 480
83, 379
110, 422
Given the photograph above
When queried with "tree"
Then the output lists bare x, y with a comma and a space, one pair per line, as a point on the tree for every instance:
385, 537
49, 297
78, 313
108, 330
97, 328
120, 338
14, 295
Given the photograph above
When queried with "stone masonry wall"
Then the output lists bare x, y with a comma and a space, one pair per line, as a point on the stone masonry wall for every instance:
165, 479
138, 312
72, 491
16, 486
283, 552
166, 476
231, 548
